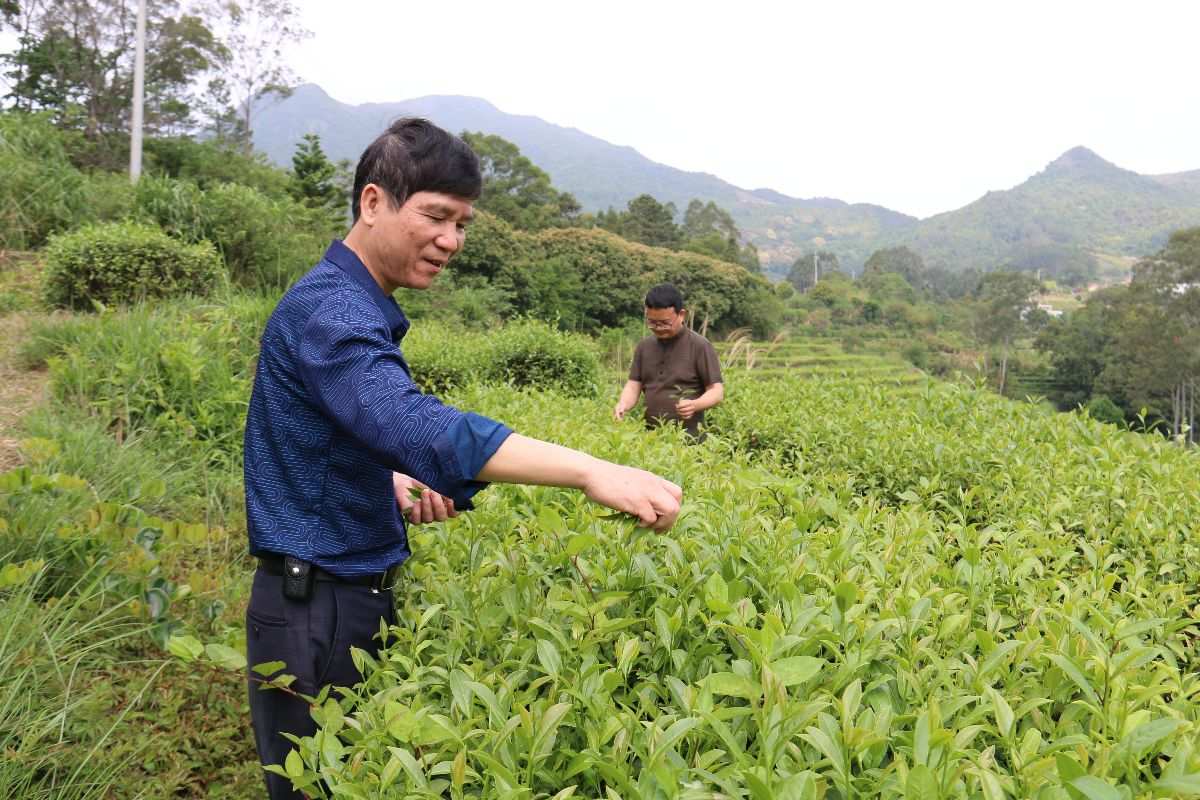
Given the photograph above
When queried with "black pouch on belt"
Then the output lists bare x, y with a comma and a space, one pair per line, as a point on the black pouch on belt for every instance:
297, 578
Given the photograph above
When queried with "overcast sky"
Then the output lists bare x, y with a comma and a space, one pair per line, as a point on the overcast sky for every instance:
919, 106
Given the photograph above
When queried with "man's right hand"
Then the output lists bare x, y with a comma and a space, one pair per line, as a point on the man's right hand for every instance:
619, 411
653, 500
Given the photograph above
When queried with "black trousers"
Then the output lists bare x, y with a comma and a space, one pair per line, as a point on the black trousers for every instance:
313, 638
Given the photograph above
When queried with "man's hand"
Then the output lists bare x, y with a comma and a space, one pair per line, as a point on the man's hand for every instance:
420, 504
628, 399
687, 408
653, 500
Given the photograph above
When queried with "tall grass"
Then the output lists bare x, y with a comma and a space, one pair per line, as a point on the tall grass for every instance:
53, 658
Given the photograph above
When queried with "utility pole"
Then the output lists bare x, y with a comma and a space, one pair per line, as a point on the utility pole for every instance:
815, 276
139, 87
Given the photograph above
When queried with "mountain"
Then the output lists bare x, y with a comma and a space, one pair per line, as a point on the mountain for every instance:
1079, 213
1079, 207
598, 173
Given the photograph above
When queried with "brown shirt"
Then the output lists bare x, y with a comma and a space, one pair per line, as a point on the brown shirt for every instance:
670, 370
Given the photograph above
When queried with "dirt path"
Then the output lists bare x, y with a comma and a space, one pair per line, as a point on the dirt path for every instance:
20, 389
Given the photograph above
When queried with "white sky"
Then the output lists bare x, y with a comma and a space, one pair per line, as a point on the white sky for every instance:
919, 106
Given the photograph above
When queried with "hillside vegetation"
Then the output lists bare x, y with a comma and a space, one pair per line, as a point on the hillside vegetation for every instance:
1079, 208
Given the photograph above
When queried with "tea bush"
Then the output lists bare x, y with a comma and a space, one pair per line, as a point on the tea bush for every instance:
524, 353
529, 353
121, 263
872, 591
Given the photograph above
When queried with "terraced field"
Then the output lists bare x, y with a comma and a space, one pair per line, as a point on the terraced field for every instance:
814, 358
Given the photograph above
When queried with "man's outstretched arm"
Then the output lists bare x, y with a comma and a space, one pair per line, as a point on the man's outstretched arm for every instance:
520, 459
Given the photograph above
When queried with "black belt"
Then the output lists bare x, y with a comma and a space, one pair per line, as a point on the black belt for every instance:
378, 582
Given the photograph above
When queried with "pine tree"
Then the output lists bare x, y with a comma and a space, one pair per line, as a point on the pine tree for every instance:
314, 180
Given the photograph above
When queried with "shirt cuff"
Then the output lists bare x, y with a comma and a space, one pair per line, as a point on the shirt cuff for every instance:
463, 448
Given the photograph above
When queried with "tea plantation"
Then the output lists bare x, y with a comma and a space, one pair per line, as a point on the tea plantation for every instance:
880, 586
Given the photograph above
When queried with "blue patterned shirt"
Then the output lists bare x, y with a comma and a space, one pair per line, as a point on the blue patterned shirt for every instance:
333, 412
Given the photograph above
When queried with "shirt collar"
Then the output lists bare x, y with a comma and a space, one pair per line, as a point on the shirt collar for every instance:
348, 262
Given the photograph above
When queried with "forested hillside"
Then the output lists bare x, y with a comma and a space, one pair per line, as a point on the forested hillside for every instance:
1081, 214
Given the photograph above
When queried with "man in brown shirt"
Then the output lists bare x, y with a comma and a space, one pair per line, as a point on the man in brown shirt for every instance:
677, 368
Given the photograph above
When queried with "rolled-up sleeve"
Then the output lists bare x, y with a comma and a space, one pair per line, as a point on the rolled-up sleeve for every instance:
358, 376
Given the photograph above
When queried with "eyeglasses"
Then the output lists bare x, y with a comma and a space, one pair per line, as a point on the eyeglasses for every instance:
659, 323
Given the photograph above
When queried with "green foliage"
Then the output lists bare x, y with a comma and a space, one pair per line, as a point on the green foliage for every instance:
773, 640
210, 162
591, 279
916, 353
42, 192
1058, 220
1102, 409
877, 588
87, 703
1136, 344
75, 59
530, 354
53, 660
515, 190
314, 182
266, 242
809, 268
20, 282
525, 353
710, 230
121, 263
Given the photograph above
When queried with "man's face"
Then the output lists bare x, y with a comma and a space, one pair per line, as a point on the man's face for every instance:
414, 243
665, 323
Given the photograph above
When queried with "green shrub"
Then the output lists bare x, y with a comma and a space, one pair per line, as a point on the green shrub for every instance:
118, 263
526, 353
266, 242
1103, 409
593, 279
41, 192
210, 162
916, 353
532, 354
443, 356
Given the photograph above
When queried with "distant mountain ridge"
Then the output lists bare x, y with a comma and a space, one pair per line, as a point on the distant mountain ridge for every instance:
1079, 204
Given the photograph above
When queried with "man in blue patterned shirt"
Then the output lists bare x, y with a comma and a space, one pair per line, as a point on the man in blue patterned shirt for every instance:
337, 433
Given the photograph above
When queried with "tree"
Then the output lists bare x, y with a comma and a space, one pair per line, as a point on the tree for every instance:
255, 35
899, 260
315, 181
1002, 301
1156, 345
74, 58
1078, 345
808, 268
884, 287
710, 230
647, 221
516, 190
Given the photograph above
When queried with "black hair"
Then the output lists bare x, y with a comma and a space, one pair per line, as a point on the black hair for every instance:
665, 295
414, 155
